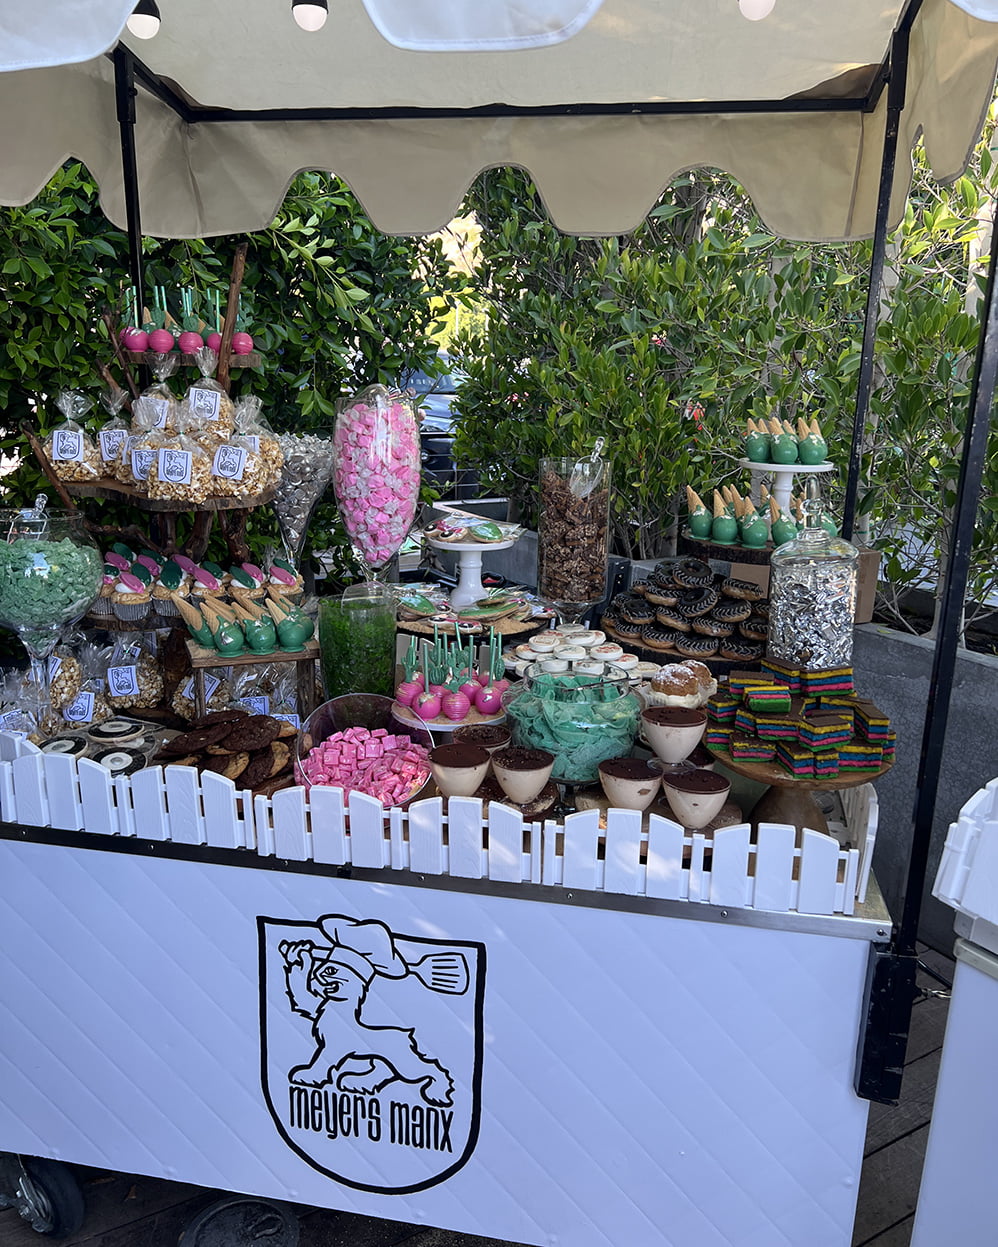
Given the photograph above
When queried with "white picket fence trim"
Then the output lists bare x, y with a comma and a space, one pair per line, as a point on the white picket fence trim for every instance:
967, 878
466, 841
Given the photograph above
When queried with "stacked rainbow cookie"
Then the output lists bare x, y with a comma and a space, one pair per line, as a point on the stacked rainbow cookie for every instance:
810, 722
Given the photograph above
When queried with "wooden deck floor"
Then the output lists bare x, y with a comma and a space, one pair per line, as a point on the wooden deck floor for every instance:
126, 1211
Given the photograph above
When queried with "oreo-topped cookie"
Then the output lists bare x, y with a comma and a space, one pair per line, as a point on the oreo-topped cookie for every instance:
70, 743
121, 761
116, 731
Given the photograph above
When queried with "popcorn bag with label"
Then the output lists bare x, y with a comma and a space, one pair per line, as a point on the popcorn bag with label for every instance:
217, 693
252, 423
111, 438
207, 410
90, 705
134, 677
181, 470
160, 396
65, 677
129, 468
70, 449
235, 468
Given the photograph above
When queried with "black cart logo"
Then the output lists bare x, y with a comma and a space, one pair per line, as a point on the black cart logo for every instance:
371, 1045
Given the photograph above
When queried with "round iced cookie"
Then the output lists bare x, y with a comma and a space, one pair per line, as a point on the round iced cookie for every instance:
588, 639
525, 653
607, 653
70, 743
646, 670
588, 666
116, 731
572, 629
627, 662
121, 761
543, 644
572, 652
554, 665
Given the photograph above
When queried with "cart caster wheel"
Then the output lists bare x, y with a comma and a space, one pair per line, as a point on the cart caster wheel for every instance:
45, 1194
241, 1221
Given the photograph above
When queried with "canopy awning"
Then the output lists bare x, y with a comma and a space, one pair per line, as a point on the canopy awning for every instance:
602, 120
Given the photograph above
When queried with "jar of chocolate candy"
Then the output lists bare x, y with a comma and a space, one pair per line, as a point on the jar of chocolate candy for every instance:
573, 532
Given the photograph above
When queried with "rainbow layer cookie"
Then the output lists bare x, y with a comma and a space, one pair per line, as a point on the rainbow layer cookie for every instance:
751, 749
826, 763
840, 705
718, 737
783, 672
824, 730
776, 726
860, 755
827, 680
796, 759
770, 698
890, 744
745, 721
739, 681
871, 722
721, 707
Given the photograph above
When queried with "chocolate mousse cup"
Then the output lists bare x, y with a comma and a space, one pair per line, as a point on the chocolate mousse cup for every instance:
629, 783
696, 797
673, 732
459, 769
522, 773
490, 736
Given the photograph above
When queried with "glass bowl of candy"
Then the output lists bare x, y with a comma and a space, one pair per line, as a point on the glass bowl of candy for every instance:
354, 742
582, 720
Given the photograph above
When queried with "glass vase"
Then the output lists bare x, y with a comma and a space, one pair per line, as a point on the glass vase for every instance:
573, 533
357, 642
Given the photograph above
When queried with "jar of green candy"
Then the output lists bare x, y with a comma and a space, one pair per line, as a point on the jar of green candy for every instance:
581, 720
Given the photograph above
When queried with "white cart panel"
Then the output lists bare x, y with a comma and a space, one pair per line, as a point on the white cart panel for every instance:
643, 1080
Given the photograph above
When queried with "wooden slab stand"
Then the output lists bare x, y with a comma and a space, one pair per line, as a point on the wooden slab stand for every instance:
304, 660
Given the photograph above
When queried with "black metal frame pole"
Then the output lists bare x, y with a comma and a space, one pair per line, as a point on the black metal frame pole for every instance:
896, 90
124, 98
975, 443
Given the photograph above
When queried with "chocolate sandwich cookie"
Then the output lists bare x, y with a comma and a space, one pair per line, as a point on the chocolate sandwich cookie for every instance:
743, 589
755, 628
709, 626
696, 602
733, 649
70, 744
116, 731
121, 761
692, 574
252, 733
691, 646
732, 610
662, 640
671, 618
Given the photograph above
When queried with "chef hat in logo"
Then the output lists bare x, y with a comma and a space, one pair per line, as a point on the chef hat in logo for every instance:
367, 948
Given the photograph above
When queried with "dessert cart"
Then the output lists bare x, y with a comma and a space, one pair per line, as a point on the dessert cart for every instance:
633, 1019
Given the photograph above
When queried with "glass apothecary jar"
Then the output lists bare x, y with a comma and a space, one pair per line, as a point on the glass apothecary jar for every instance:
573, 532
812, 596
581, 720
357, 641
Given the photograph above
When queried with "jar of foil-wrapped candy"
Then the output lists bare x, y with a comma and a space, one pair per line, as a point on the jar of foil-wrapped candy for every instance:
582, 720
812, 595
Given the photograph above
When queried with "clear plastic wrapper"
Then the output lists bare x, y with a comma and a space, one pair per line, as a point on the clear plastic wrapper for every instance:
236, 468
181, 469
111, 438
305, 474
144, 433
134, 676
69, 447
90, 705
158, 396
218, 693
65, 677
251, 423
207, 410
16, 697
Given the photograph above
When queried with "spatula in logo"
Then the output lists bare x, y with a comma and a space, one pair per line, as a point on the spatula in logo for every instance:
444, 972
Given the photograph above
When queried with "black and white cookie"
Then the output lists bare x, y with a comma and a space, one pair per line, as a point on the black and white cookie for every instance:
121, 761
116, 731
70, 743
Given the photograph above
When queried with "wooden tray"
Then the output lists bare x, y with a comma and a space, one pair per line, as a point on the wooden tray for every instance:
201, 656
723, 554
253, 359
107, 489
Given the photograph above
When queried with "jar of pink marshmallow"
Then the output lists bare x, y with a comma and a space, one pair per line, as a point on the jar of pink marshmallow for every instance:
376, 473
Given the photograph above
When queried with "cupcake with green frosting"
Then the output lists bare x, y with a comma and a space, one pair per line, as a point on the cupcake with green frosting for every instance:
172, 579
248, 581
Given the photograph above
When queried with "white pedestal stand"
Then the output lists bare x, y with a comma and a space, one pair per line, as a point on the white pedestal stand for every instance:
783, 478
469, 586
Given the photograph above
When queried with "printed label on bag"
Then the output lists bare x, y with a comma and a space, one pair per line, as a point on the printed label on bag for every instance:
122, 681
257, 705
253, 440
293, 719
175, 466
7, 719
111, 442
204, 403
54, 665
211, 683
67, 447
161, 406
81, 709
229, 462
141, 463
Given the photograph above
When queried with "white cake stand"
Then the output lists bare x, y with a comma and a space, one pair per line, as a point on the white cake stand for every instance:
783, 477
469, 586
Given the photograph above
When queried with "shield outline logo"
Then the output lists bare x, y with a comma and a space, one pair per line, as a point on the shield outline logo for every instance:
477, 984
